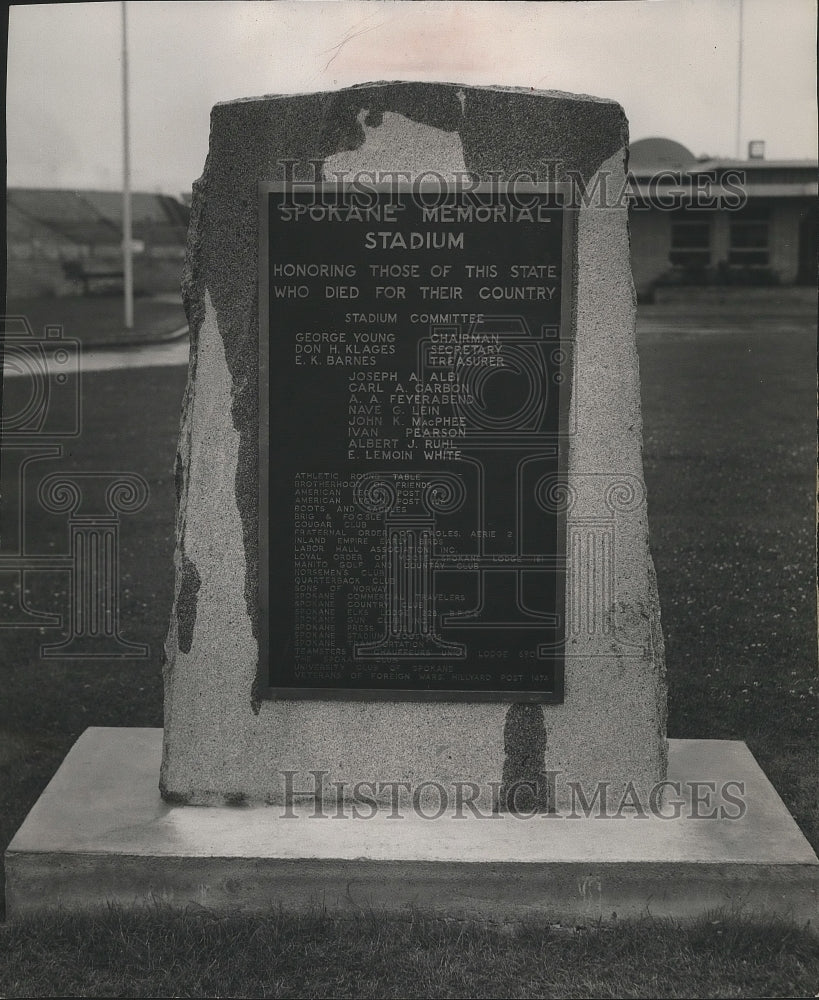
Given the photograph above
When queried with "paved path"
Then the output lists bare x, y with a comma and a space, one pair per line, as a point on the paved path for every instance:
107, 359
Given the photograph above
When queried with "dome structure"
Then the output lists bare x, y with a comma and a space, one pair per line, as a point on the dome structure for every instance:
651, 155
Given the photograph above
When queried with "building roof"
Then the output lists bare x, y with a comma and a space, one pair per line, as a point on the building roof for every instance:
724, 163
95, 217
158, 209
671, 165
651, 156
22, 228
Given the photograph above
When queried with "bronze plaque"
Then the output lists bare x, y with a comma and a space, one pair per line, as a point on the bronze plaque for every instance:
415, 369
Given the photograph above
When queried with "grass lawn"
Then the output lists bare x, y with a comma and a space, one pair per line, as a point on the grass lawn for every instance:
197, 955
98, 320
729, 411
729, 455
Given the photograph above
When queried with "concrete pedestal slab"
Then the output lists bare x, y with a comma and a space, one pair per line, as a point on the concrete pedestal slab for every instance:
100, 832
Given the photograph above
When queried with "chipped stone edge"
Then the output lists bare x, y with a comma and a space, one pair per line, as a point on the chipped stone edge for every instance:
563, 95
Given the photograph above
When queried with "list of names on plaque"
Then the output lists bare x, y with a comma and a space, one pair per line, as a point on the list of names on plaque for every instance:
415, 388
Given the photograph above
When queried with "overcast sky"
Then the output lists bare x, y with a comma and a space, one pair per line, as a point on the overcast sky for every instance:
672, 64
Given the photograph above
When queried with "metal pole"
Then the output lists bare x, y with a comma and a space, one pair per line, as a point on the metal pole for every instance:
127, 263
739, 88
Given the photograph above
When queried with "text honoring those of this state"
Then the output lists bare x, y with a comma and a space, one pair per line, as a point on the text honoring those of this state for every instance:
413, 398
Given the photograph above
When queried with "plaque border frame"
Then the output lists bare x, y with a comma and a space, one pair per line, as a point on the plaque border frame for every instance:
263, 690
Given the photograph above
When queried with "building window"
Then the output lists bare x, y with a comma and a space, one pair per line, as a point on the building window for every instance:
748, 245
690, 238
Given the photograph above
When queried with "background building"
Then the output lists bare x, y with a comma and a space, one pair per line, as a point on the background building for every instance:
70, 242
677, 238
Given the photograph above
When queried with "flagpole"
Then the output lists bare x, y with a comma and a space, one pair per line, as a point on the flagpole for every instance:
739, 87
127, 263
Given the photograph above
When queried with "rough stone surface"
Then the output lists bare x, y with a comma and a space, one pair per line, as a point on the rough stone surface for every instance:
101, 833
222, 743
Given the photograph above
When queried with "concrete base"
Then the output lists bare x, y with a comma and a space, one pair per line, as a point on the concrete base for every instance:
100, 832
